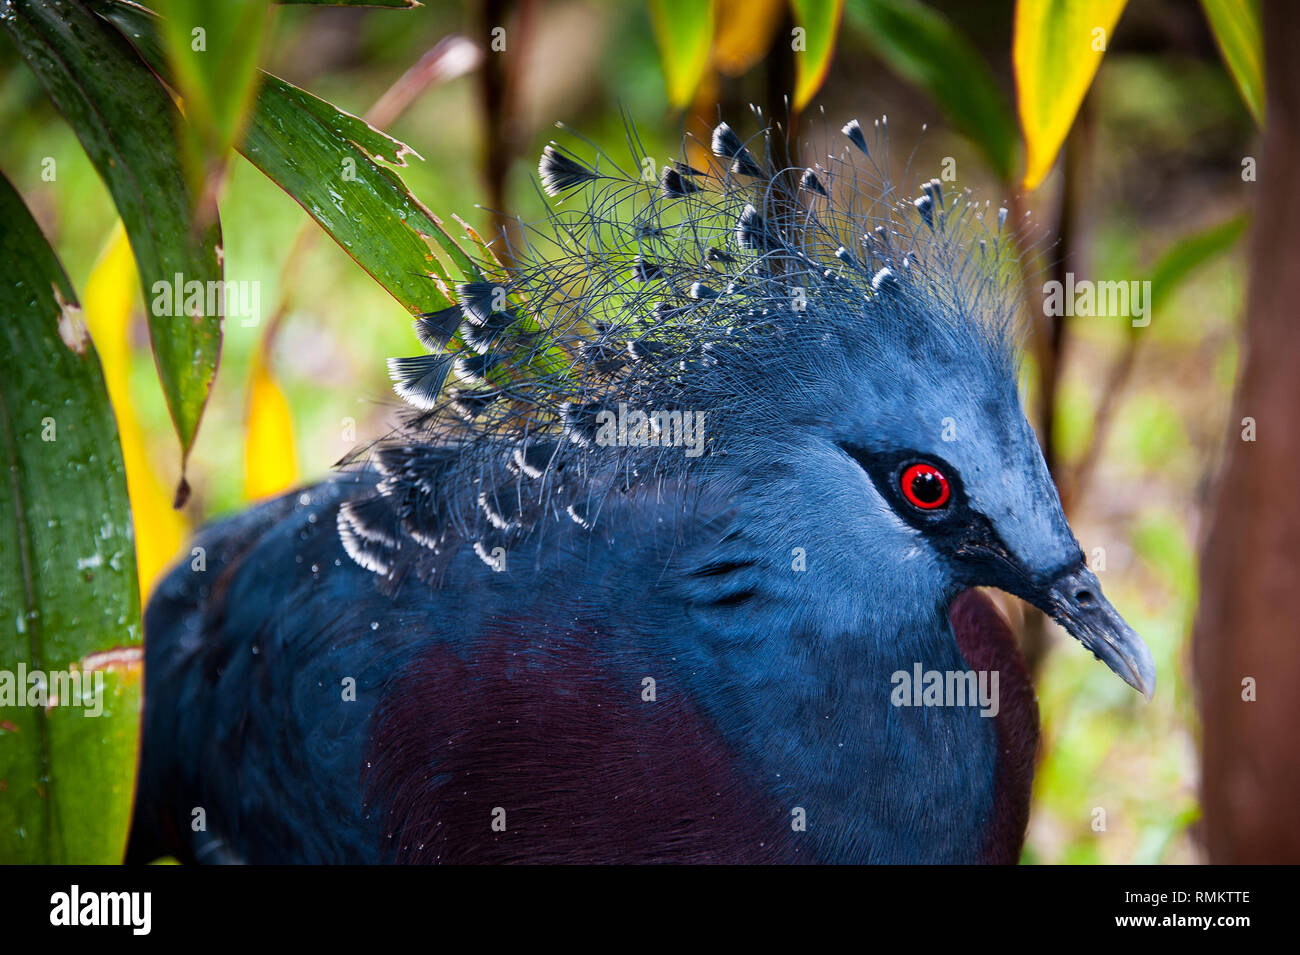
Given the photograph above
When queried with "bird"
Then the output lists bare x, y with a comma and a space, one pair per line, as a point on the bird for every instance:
676, 553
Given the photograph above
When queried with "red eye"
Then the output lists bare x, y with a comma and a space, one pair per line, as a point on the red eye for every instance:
925, 487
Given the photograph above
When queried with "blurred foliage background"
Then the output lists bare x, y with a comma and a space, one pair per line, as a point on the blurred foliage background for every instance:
1155, 157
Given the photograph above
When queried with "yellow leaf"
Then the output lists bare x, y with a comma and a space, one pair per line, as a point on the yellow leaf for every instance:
270, 462
684, 30
820, 22
1057, 48
743, 33
110, 295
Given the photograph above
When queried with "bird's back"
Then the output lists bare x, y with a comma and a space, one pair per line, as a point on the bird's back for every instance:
296, 713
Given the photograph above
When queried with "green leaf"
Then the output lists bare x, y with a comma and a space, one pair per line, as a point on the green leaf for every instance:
330, 162
684, 31
68, 591
820, 21
337, 168
1190, 253
921, 46
213, 54
1057, 48
126, 122
1236, 29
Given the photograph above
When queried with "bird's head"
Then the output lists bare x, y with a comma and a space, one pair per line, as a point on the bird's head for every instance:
931, 451
833, 360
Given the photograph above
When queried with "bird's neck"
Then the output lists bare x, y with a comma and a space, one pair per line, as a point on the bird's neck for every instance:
833, 723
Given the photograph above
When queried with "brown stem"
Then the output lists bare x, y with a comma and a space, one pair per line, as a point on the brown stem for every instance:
1244, 642
1078, 147
498, 90
778, 91
451, 57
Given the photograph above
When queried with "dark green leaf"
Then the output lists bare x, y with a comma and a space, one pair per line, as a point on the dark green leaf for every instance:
68, 591
127, 122
338, 168
330, 162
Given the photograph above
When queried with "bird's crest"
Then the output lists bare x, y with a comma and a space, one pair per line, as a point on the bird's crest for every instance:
666, 321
